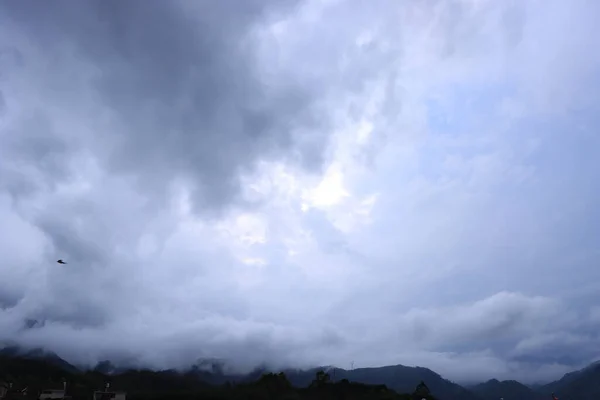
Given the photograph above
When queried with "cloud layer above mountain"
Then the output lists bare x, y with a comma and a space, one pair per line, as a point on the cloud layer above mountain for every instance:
303, 182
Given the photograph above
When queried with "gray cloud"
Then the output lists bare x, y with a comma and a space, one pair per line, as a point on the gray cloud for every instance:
174, 88
172, 153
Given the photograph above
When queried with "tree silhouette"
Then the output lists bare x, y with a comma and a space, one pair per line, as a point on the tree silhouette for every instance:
321, 378
422, 392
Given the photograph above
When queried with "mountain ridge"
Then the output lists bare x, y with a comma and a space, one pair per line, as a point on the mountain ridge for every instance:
494, 389
585, 383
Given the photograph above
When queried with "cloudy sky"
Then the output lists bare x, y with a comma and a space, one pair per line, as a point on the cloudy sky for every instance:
303, 182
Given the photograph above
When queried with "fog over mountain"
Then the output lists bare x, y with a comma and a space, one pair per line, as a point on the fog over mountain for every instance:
300, 183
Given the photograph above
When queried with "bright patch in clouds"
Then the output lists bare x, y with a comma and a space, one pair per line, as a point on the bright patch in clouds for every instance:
329, 192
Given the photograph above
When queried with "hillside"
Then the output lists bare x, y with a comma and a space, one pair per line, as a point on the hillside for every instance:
26, 377
48, 367
16, 352
507, 390
39, 369
398, 377
581, 385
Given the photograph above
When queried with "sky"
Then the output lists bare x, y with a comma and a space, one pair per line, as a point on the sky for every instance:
303, 182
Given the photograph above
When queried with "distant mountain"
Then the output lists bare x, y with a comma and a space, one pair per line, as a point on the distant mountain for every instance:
400, 378
507, 390
27, 377
37, 354
44, 366
583, 384
578, 385
106, 367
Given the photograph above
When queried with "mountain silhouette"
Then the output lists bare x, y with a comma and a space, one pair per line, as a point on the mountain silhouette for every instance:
583, 384
37, 369
507, 390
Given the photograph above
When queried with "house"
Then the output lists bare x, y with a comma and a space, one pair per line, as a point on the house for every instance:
109, 395
54, 393
9, 391
4, 386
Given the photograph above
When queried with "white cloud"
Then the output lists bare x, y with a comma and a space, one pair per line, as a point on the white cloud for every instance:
330, 191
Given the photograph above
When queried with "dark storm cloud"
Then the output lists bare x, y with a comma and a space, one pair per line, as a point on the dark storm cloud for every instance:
8, 299
160, 91
180, 84
35, 149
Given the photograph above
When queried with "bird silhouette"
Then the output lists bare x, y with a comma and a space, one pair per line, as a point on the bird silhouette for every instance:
61, 262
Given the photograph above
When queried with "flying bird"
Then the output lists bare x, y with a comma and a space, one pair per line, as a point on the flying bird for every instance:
61, 262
